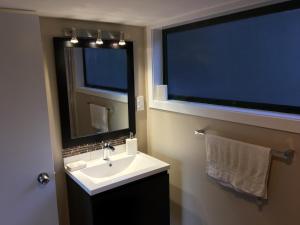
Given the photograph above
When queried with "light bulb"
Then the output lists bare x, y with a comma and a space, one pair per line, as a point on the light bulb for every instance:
74, 39
122, 41
99, 42
99, 38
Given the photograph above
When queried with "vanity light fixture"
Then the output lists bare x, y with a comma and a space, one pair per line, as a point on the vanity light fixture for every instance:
99, 38
74, 39
122, 41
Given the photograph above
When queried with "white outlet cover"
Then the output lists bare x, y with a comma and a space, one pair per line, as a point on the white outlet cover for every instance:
140, 105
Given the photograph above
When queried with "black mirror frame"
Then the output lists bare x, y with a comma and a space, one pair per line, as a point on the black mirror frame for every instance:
63, 42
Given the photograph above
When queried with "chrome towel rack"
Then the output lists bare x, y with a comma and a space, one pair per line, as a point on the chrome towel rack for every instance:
287, 154
108, 108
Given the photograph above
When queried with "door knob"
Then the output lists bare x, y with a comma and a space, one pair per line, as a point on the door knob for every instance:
43, 178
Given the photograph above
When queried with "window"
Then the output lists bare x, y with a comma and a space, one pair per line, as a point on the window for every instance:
105, 68
249, 59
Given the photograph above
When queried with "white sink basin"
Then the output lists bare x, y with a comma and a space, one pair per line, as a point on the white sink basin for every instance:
104, 169
100, 175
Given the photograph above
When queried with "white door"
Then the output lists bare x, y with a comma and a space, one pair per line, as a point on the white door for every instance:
25, 149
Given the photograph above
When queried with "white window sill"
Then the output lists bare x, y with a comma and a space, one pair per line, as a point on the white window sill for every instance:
113, 95
267, 119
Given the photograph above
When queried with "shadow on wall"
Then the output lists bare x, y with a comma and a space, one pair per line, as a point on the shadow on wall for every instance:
260, 203
180, 215
178, 197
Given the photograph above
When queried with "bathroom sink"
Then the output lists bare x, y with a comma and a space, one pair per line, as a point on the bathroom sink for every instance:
108, 169
100, 175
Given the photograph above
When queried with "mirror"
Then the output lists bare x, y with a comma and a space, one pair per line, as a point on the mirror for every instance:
96, 90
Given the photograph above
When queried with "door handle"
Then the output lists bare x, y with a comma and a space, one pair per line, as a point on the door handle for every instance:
43, 178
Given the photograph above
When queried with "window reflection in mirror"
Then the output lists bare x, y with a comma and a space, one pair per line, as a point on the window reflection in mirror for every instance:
97, 90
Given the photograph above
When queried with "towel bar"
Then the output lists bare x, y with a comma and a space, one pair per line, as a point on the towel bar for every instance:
108, 109
287, 154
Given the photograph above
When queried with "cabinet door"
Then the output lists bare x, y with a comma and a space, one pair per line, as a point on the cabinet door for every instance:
143, 202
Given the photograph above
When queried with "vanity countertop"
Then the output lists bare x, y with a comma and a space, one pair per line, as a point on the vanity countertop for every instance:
100, 175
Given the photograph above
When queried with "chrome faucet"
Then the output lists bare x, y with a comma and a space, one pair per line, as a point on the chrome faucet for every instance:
107, 148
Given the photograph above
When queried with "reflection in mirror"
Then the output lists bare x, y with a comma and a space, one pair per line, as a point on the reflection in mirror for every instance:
97, 87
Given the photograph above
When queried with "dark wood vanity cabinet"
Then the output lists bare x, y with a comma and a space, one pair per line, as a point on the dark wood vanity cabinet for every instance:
142, 202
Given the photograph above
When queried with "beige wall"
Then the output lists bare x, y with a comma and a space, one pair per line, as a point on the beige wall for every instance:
53, 27
197, 200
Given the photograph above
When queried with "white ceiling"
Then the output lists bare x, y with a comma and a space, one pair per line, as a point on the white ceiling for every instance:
134, 12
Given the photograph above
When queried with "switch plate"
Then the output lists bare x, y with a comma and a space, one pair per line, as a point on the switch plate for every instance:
140, 106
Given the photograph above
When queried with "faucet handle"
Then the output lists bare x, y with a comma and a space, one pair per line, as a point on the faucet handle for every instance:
108, 145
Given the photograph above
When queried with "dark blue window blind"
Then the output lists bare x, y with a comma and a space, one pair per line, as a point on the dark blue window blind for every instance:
106, 68
251, 62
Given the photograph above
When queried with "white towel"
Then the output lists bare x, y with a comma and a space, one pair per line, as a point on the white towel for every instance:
99, 118
241, 166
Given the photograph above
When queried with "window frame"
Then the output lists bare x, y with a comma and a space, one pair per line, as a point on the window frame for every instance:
223, 19
86, 84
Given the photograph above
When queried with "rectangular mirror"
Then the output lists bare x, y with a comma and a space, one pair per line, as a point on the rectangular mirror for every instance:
96, 90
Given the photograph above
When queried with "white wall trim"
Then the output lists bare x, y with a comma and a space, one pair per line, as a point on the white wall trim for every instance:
267, 119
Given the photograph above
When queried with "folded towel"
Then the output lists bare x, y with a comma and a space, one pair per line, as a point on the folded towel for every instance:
99, 118
241, 166
73, 166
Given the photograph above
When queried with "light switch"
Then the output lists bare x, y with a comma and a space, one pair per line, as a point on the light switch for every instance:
140, 106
